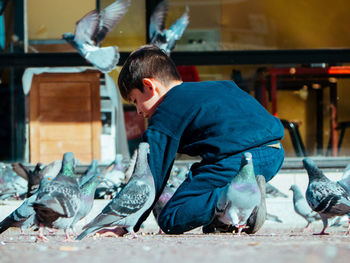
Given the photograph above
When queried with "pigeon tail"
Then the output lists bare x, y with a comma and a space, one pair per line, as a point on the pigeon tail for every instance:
6, 223
105, 58
86, 232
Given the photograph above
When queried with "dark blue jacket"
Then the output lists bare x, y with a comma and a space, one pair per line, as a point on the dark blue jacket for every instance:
212, 119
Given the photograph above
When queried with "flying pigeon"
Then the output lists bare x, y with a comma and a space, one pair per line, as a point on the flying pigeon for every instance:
163, 38
324, 196
302, 208
24, 215
126, 208
57, 203
91, 30
35, 176
241, 197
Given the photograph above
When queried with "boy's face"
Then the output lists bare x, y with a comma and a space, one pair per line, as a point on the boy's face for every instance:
145, 102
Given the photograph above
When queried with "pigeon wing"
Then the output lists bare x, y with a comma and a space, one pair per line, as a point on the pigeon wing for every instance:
109, 18
52, 169
130, 199
21, 170
157, 23
87, 27
178, 28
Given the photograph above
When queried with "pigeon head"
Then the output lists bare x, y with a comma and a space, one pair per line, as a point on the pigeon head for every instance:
311, 168
91, 185
68, 36
296, 191
68, 163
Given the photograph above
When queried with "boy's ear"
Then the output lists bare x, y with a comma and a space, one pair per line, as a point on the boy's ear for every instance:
149, 84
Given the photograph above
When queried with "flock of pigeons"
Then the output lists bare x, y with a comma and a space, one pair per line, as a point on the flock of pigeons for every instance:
92, 29
58, 198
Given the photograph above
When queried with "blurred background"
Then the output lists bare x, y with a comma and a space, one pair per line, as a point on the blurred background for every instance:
292, 56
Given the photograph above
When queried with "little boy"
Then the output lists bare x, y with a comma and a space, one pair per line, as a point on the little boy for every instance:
215, 120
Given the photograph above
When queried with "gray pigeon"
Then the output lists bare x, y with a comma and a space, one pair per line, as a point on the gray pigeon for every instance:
58, 203
176, 178
345, 183
163, 38
163, 199
11, 185
274, 218
345, 179
126, 208
302, 208
35, 176
324, 196
24, 215
87, 184
91, 30
242, 196
272, 191
113, 179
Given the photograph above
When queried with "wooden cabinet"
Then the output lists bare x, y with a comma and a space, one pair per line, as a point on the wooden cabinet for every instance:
64, 116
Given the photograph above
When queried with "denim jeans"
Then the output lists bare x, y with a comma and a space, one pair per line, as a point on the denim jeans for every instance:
194, 202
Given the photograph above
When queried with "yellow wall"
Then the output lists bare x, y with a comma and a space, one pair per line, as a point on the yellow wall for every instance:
251, 24
50, 19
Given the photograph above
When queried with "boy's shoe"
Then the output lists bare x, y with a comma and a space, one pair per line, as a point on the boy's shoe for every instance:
258, 217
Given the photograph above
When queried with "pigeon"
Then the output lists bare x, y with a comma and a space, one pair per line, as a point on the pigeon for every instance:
345, 180
133, 200
163, 38
302, 208
274, 218
241, 197
163, 199
11, 185
326, 197
114, 177
130, 168
345, 183
89, 173
24, 215
91, 30
58, 203
272, 191
87, 185
35, 176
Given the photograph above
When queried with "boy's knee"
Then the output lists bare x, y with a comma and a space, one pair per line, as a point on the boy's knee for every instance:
166, 225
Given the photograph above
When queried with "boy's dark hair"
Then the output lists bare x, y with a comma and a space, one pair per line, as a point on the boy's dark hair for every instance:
146, 62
